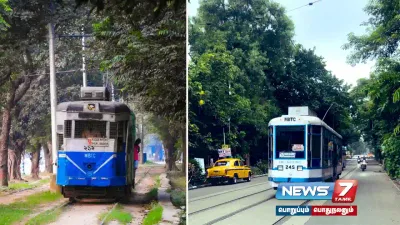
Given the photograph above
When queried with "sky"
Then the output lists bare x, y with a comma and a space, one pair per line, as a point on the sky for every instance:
325, 26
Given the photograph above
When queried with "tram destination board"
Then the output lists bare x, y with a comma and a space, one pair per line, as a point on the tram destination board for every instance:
98, 142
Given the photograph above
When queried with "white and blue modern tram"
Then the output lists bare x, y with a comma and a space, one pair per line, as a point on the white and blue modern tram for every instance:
302, 148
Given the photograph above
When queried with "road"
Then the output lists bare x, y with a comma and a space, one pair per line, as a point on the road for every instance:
378, 201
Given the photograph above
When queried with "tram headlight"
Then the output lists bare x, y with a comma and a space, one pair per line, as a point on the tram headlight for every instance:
280, 167
299, 168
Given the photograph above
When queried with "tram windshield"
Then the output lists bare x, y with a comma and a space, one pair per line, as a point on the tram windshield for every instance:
90, 129
290, 142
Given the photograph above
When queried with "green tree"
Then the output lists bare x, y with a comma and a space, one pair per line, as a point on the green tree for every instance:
378, 98
245, 70
4, 9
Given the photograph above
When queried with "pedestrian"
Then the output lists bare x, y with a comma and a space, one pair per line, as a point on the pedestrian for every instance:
136, 150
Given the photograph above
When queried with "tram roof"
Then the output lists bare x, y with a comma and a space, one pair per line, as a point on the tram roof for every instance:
104, 106
305, 120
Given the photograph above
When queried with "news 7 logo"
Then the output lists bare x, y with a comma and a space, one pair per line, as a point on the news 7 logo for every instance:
342, 191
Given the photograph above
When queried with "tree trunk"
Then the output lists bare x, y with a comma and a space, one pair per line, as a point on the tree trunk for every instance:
18, 169
171, 156
248, 159
12, 165
5, 134
17, 90
184, 150
35, 163
48, 157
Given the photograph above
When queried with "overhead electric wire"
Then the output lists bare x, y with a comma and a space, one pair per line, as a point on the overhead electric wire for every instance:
309, 4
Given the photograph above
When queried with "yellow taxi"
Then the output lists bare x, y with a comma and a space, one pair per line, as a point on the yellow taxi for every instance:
229, 169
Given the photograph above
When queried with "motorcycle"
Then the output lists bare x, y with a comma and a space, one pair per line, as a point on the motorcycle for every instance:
363, 166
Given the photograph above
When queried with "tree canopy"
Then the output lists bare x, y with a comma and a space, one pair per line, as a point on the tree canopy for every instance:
245, 69
378, 98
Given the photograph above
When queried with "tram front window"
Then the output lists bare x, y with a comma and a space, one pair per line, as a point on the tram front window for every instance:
290, 142
90, 129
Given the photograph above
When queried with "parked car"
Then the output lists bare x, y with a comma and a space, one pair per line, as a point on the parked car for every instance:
229, 169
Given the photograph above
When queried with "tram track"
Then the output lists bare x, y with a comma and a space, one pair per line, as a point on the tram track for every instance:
226, 192
73, 207
238, 211
227, 202
242, 209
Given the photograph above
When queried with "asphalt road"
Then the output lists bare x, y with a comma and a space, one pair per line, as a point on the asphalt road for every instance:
378, 201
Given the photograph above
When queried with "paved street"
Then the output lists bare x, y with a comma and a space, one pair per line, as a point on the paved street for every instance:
378, 201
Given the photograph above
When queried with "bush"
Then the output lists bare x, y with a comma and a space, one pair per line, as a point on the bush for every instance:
263, 166
178, 198
195, 176
256, 171
392, 156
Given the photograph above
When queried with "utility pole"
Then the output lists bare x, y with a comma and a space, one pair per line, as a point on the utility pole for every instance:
53, 104
112, 92
223, 131
53, 97
83, 58
142, 138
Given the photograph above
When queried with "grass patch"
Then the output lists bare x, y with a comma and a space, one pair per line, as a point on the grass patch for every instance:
45, 218
25, 185
152, 194
157, 180
118, 214
154, 216
149, 162
18, 210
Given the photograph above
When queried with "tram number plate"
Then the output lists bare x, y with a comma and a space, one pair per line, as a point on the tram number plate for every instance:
290, 167
88, 148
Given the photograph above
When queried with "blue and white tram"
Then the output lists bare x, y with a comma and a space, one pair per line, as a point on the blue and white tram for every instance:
302, 148
95, 148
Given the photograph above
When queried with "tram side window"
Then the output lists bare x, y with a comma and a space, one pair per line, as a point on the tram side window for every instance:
325, 152
113, 130
121, 136
316, 146
89, 129
334, 155
270, 142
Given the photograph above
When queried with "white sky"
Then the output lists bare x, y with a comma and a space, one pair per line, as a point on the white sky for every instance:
325, 26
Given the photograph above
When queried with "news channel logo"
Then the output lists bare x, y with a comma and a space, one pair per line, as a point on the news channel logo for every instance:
341, 191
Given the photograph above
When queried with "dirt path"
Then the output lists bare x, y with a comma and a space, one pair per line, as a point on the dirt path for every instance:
82, 213
138, 203
170, 213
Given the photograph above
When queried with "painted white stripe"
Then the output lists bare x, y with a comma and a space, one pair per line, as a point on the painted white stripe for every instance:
63, 155
75, 164
108, 160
